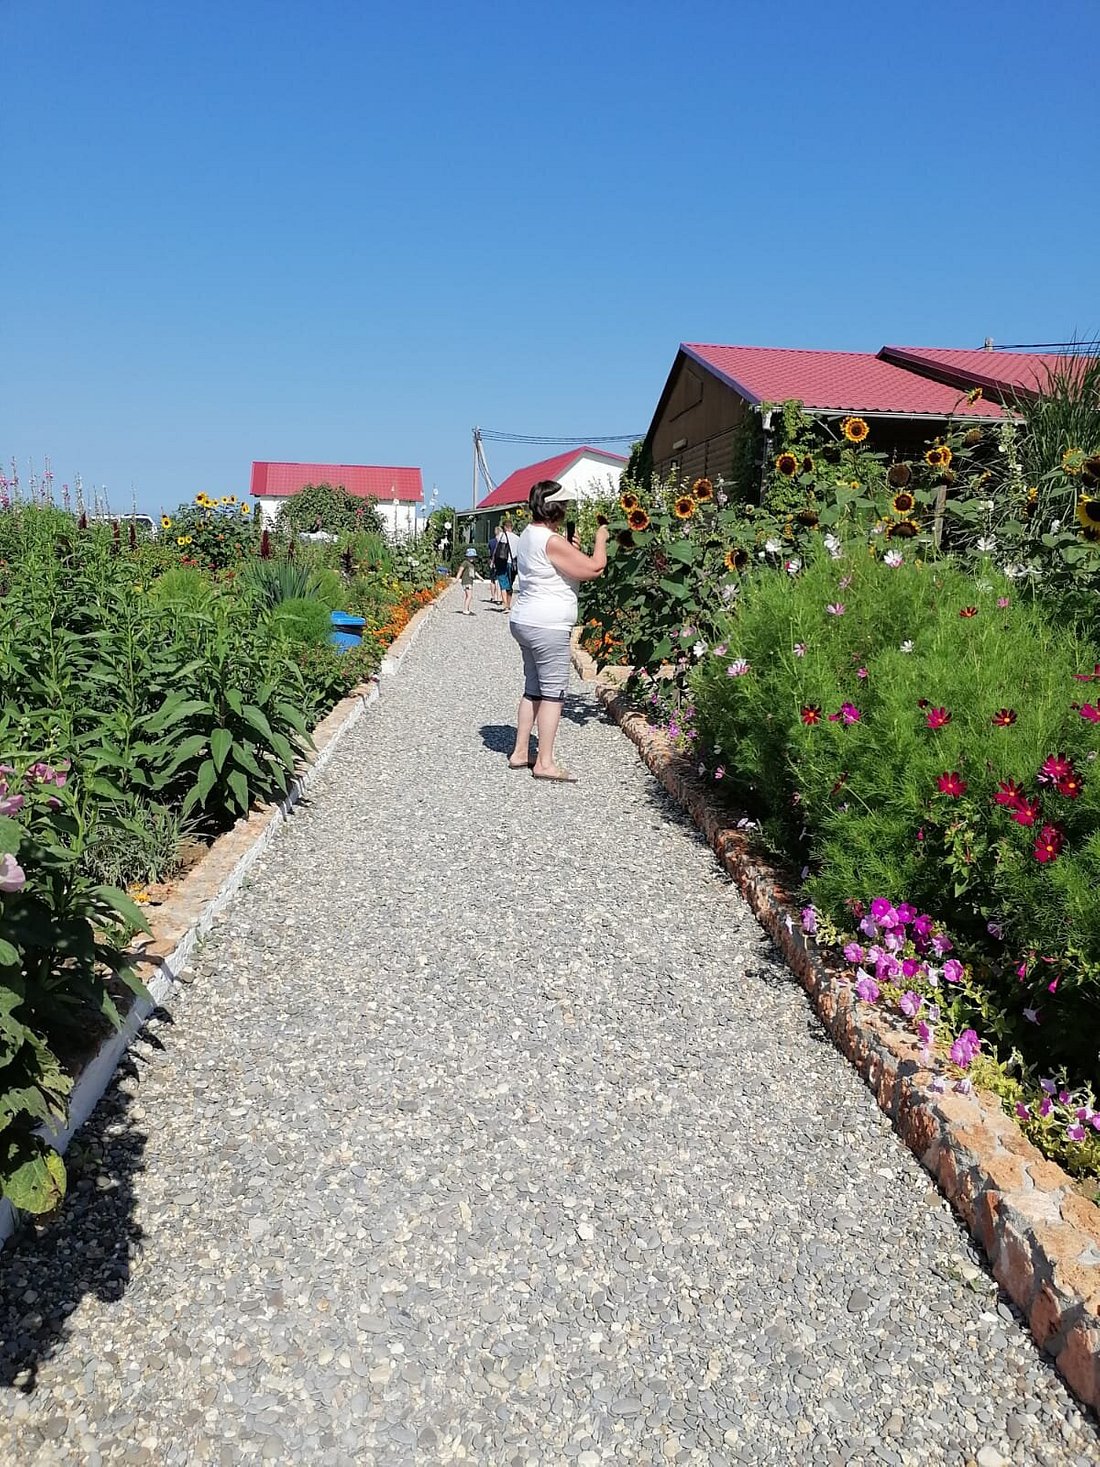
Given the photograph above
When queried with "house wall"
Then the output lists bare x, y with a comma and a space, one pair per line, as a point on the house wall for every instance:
593, 478
398, 523
703, 411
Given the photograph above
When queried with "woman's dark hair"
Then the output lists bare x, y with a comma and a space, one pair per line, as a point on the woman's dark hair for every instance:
548, 514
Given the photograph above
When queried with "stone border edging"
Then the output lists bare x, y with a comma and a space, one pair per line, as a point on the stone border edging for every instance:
207, 889
1041, 1236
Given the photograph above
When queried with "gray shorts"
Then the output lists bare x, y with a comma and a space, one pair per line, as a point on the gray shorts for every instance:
545, 660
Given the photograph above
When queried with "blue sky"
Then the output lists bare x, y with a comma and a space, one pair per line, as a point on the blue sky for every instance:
348, 232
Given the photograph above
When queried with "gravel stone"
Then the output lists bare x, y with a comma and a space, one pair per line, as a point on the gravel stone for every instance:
490, 1129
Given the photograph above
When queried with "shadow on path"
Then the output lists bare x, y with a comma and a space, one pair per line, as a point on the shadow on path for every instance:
87, 1246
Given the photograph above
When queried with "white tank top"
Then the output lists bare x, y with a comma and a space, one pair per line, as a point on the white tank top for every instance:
545, 598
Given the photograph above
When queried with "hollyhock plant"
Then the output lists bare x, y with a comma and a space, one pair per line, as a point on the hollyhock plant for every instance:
12, 876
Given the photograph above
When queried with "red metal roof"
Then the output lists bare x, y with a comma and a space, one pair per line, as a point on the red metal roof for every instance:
365, 481
517, 486
840, 381
1001, 372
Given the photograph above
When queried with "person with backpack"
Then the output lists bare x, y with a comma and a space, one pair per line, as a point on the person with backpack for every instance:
504, 562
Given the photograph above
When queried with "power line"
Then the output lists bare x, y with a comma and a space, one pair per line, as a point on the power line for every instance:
494, 437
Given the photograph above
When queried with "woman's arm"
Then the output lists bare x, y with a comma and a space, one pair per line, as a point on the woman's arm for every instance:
572, 561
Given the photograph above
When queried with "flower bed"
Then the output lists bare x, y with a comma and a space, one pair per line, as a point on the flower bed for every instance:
152, 694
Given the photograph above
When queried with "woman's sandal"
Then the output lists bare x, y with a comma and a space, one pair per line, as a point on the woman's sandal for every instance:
555, 778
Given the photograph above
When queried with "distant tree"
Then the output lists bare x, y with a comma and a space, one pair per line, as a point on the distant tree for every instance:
329, 507
438, 524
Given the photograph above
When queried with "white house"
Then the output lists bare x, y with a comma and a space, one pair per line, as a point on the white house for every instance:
397, 492
590, 473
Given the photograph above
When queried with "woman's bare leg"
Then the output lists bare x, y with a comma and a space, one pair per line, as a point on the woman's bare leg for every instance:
525, 722
548, 716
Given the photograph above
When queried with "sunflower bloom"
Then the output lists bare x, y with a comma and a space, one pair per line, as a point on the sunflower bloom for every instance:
736, 559
166, 521
898, 475
637, 518
903, 503
1073, 461
786, 463
246, 510
1088, 512
902, 530
684, 507
627, 502
854, 429
934, 458
703, 490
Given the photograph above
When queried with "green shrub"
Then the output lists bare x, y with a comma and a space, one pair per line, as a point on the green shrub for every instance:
301, 619
838, 752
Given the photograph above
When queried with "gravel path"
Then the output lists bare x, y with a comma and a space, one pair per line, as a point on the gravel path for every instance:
491, 1131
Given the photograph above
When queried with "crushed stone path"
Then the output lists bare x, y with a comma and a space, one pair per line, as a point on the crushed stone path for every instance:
490, 1130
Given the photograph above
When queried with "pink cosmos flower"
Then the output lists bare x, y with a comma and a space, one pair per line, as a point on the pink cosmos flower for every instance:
737, 668
1002, 602
951, 783
849, 714
836, 608
845, 582
800, 649
1089, 712
938, 717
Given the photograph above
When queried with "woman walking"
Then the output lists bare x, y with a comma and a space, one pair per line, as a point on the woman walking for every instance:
544, 613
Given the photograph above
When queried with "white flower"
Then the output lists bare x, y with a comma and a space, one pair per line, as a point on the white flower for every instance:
1013, 572
793, 566
893, 558
699, 649
1055, 526
832, 545
737, 668
906, 647
987, 545
773, 546
729, 592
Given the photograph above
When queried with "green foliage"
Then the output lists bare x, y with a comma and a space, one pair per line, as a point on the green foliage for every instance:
136, 841
329, 507
301, 619
211, 533
857, 796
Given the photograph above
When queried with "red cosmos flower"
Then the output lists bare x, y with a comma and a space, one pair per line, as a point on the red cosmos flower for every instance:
1004, 718
938, 718
811, 715
1048, 844
1026, 812
1055, 767
1070, 785
1088, 677
951, 784
1088, 711
968, 611
1008, 793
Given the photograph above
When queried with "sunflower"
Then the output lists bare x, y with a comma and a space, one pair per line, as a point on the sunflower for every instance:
166, 521
854, 429
637, 518
703, 490
1090, 471
627, 502
736, 558
1091, 533
684, 507
624, 539
1073, 460
808, 516
902, 530
934, 458
903, 503
203, 500
945, 455
787, 463
246, 509
974, 394
1088, 511
183, 539
230, 499
972, 437
898, 475
807, 465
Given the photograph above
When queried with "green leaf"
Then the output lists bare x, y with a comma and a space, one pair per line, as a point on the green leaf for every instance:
192, 745
258, 720
221, 741
9, 955
676, 589
11, 833
173, 711
125, 906
683, 550
205, 780
235, 699
244, 757
239, 785
32, 1175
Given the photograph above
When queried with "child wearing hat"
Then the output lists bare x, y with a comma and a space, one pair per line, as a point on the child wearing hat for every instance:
467, 575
